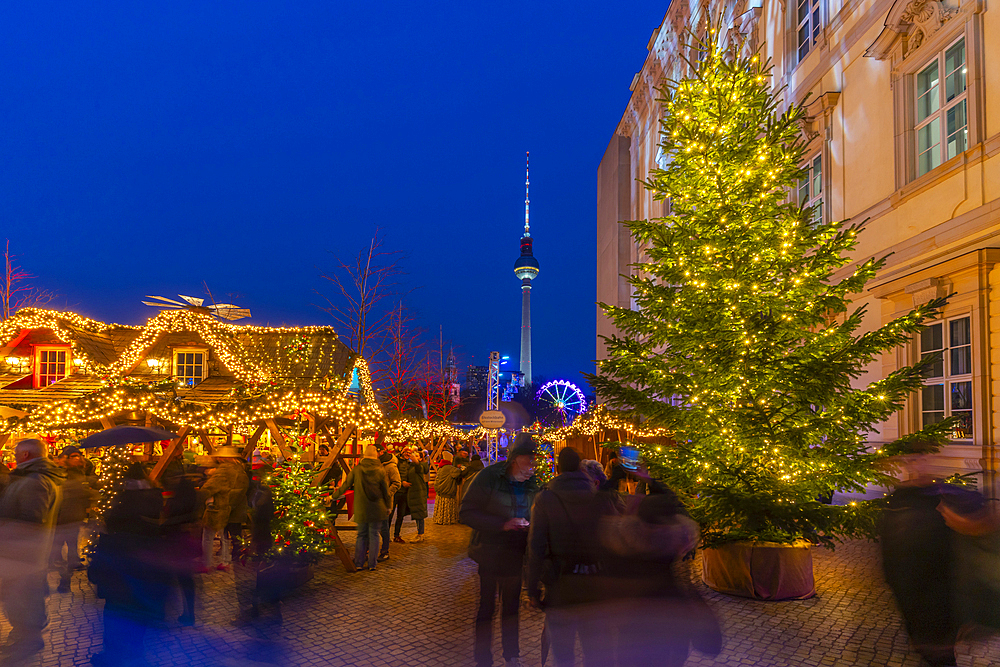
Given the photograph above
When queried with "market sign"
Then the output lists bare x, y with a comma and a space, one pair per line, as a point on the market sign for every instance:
492, 419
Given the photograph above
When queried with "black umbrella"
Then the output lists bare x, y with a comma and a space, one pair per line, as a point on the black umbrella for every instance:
126, 435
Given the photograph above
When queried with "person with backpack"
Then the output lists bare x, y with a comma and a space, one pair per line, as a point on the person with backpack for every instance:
446, 492
371, 505
565, 554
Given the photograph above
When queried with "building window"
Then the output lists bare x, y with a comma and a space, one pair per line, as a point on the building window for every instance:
810, 190
947, 390
190, 366
52, 365
942, 122
807, 27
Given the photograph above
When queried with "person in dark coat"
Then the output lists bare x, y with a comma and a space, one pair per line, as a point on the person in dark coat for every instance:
225, 495
181, 532
130, 570
563, 539
78, 494
30, 504
399, 504
918, 560
371, 505
497, 506
417, 490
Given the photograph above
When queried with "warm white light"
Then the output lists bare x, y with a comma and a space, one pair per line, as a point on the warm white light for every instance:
154, 363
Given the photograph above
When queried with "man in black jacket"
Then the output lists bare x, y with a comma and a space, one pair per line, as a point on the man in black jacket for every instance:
497, 506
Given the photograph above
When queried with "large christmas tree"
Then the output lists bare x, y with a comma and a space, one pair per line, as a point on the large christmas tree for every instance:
744, 342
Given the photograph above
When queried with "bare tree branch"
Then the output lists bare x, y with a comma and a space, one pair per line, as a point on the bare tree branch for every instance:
16, 291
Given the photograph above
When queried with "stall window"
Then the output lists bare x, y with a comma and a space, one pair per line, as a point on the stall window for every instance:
190, 366
51, 365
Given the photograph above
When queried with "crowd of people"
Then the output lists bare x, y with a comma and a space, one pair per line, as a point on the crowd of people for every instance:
599, 562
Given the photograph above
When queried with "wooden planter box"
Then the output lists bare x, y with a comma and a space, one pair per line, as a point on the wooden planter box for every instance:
760, 570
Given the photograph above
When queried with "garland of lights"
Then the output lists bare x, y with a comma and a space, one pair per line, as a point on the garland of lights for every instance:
600, 419
264, 395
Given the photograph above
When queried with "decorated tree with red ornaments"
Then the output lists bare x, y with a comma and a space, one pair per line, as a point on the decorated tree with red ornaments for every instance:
301, 526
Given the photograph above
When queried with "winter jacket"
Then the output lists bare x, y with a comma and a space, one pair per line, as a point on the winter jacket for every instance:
78, 494
371, 491
564, 549
391, 468
416, 494
225, 490
403, 466
446, 482
488, 503
33, 493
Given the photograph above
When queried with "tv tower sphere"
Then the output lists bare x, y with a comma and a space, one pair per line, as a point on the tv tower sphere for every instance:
526, 269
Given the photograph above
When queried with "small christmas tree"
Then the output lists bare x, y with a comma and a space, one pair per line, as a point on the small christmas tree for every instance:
544, 463
300, 527
742, 344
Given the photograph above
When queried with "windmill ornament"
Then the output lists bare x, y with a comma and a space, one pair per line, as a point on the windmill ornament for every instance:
224, 311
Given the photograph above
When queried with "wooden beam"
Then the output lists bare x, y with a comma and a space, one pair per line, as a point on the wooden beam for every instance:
107, 423
436, 451
171, 448
338, 548
252, 442
278, 438
336, 446
203, 434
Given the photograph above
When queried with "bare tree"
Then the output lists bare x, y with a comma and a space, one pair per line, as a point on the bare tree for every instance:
359, 309
16, 290
404, 355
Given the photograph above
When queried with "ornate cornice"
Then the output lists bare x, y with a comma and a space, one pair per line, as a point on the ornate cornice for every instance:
917, 20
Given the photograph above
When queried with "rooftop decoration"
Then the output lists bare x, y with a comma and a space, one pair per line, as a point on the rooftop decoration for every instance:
225, 311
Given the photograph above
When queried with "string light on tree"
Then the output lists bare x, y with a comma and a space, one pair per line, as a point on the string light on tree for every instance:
743, 345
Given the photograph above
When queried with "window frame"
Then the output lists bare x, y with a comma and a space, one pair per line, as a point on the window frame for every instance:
174, 365
907, 63
940, 114
947, 378
811, 181
814, 19
36, 364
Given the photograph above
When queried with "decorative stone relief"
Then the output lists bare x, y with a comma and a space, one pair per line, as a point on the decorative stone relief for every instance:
927, 17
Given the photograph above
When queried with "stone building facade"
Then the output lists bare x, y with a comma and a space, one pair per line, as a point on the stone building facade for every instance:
903, 101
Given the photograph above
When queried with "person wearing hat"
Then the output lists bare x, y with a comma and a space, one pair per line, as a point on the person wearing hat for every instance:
79, 491
225, 495
497, 506
371, 505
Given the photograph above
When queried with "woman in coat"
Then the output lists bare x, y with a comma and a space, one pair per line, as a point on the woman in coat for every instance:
446, 492
416, 496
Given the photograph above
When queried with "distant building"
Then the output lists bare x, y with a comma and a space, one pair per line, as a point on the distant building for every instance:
452, 387
476, 378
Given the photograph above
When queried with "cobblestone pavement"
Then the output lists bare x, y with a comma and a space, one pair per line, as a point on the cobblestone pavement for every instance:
416, 609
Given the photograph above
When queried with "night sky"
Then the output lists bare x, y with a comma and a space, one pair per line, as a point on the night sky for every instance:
150, 147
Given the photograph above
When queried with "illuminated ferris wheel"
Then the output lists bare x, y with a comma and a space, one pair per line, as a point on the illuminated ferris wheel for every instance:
561, 400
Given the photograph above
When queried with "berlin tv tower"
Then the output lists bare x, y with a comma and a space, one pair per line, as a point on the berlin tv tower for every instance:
526, 269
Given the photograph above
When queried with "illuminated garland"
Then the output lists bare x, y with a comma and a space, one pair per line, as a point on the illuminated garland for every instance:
600, 419
264, 395
411, 430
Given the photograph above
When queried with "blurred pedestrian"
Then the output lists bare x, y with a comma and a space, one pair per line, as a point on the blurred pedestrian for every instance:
130, 569
79, 491
497, 506
181, 532
564, 554
446, 491
225, 489
249, 561
417, 489
390, 465
30, 504
615, 474
371, 505
918, 561
657, 616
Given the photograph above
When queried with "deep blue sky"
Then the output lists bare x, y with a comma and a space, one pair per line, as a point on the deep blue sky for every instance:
145, 148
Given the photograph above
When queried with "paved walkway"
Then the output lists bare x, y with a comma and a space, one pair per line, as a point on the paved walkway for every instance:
417, 610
